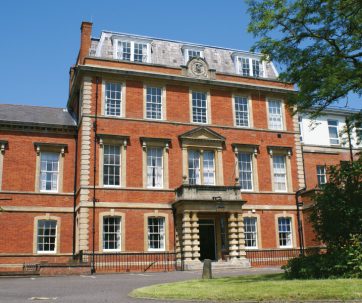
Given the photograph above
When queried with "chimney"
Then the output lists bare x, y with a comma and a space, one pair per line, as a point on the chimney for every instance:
85, 40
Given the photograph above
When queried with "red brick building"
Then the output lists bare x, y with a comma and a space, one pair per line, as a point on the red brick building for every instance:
164, 146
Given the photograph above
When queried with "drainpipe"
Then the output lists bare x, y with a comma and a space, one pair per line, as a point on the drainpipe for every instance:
300, 225
75, 190
93, 269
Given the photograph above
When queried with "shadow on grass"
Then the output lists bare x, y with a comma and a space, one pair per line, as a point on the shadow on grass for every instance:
250, 278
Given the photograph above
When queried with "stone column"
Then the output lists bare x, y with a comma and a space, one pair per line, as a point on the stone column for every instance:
233, 237
178, 237
195, 236
186, 236
241, 235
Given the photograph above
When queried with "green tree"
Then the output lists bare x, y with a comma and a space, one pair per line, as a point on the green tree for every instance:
337, 211
318, 41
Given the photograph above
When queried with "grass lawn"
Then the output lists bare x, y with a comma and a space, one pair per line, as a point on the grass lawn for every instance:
254, 287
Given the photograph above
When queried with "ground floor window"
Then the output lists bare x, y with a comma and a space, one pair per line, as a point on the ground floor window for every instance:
156, 233
46, 236
285, 231
250, 231
111, 233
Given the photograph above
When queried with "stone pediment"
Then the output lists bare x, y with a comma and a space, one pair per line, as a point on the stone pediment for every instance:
202, 133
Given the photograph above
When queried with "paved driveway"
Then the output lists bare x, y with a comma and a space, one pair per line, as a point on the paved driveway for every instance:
110, 288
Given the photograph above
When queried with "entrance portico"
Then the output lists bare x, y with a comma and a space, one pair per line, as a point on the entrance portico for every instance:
209, 225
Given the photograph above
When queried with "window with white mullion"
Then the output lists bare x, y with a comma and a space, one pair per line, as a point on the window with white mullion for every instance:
208, 167
321, 175
199, 107
275, 114
155, 167
244, 66
250, 232
156, 233
285, 231
333, 132
280, 173
124, 50
257, 67
132, 51
139, 52
113, 99
245, 165
111, 233
241, 111
46, 236
111, 165
49, 171
154, 103
194, 167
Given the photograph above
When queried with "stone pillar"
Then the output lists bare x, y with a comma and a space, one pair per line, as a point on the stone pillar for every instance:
241, 234
178, 237
195, 236
233, 237
186, 236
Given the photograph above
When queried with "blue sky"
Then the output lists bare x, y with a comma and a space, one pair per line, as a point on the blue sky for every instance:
40, 38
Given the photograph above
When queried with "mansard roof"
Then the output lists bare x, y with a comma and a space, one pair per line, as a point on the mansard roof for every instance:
26, 114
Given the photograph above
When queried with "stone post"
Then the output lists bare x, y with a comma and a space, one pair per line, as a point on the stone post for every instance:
186, 236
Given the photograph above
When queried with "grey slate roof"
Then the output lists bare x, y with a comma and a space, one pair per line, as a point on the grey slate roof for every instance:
170, 53
35, 114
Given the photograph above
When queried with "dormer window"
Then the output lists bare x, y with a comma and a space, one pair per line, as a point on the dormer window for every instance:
129, 50
190, 53
248, 66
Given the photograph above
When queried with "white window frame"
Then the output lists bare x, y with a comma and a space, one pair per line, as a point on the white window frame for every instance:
202, 170
239, 66
289, 234
271, 116
186, 51
132, 49
207, 105
162, 99
120, 165
275, 172
119, 240
236, 112
150, 149
321, 174
336, 129
300, 123
113, 99
57, 172
162, 233
240, 154
54, 251
254, 233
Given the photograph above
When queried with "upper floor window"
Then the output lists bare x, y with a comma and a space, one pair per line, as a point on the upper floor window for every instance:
241, 111
136, 51
285, 231
111, 165
199, 107
250, 231
279, 173
275, 114
49, 171
201, 167
245, 164
321, 174
46, 236
154, 103
190, 53
111, 233
333, 132
113, 99
155, 167
358, 133
156, 233
249, 67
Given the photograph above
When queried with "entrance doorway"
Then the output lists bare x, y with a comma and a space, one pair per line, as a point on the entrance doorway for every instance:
207, 239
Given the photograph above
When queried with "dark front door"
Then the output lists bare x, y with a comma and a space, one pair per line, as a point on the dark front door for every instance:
207, 239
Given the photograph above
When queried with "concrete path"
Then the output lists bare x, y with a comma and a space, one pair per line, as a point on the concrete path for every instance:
110, 288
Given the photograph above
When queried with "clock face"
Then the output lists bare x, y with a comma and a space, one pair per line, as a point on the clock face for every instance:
198, 68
